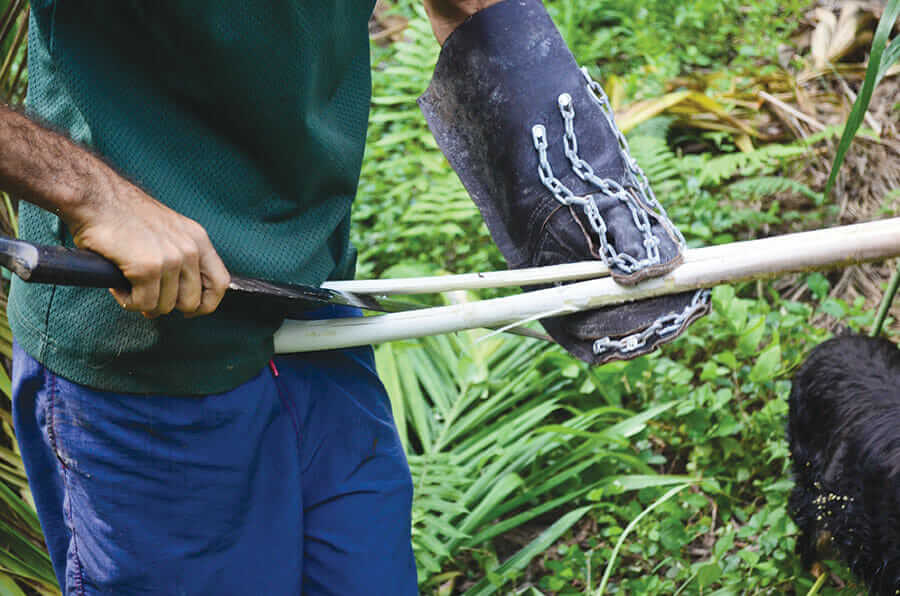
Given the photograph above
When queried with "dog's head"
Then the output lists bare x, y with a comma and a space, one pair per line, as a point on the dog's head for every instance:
844, 434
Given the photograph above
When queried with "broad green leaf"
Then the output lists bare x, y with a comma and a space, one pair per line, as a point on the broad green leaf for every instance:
889, 58
386, 365
434, 546
737, 314
620, 484
5, 383
748, 344
818, 284
8, 586
416, 404
22, 509
503, 487
767, 365
723, 545
708, 574
722, 297
15, 566
22, 547
525, 516
728, 359
637, 423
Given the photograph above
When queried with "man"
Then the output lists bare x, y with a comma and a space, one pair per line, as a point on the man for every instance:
168, 453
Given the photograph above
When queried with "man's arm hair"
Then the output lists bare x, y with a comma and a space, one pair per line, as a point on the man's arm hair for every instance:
167, 257
46, 168
447, 15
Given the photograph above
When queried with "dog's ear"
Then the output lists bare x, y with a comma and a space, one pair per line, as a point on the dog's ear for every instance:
842, 330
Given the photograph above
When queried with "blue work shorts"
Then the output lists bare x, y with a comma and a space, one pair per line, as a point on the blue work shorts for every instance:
295, 482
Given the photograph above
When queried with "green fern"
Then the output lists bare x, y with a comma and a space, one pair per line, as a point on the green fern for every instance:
766, 186
476, 416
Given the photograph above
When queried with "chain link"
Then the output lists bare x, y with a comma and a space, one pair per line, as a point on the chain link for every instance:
637, 174
545, 172
610, 188
663, 327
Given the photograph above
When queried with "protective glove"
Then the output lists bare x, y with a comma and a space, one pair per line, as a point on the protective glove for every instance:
533, 140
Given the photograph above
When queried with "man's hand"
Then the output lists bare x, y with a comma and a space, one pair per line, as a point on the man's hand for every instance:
447, 15
167, 257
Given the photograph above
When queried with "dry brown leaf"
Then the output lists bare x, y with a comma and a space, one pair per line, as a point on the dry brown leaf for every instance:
848, 24
821, 36
385, 25
836, 36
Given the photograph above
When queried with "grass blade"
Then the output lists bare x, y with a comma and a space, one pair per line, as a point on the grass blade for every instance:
612, 559
891, 11
886, 302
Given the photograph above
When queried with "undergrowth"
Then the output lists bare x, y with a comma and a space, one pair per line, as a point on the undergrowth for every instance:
532, 468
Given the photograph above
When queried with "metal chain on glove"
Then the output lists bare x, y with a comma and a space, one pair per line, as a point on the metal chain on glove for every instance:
637, 174
666, 325
607, 187
610, 188
662, 328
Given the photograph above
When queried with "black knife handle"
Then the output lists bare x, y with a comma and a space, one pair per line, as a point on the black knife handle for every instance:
73, 267
59, 265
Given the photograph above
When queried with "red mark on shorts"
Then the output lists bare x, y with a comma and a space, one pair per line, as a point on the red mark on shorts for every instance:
272, 366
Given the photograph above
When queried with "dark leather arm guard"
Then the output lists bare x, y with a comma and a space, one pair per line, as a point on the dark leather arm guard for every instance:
533, 140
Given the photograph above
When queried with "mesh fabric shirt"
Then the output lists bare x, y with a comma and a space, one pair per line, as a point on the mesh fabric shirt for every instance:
246, 116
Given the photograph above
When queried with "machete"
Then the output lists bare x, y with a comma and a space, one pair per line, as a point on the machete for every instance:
74, 267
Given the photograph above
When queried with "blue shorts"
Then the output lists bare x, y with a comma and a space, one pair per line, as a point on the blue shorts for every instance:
295, 482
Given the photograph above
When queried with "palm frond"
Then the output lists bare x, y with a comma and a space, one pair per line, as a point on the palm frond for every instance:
13, 33
478, 415
23, 558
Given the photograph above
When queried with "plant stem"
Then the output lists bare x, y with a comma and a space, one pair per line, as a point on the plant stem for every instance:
886, 302
612, 558
815, 589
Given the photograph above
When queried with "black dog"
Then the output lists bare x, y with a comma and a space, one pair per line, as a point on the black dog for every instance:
844, 433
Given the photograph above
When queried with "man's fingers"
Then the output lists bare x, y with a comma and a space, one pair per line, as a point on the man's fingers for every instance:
215, 281
121, 297
190, 284
144, 296
168, 289
184, 272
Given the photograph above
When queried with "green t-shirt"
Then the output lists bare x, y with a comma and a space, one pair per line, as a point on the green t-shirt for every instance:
248, 117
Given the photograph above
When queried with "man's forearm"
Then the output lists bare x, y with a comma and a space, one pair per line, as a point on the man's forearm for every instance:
447, 15
47, 169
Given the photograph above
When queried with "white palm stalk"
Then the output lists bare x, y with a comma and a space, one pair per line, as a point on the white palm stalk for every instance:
705, 267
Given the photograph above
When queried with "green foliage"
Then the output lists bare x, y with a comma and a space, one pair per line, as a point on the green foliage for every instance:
411, 207
715, 198
730, 531
13, 27
653, 41
476, 415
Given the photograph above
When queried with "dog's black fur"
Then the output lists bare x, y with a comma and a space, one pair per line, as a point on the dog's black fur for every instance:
844, 433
